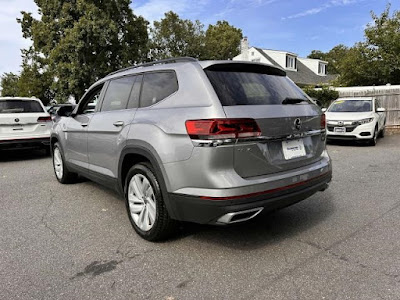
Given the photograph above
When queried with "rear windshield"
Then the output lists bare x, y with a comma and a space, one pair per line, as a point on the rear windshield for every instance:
248, 88
19, 106
351, 106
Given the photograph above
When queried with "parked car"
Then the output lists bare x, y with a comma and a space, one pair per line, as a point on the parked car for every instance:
53, 110
211, 142
361, 119
24, 123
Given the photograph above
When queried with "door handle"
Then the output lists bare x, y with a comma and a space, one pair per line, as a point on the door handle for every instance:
118, 123
84, 124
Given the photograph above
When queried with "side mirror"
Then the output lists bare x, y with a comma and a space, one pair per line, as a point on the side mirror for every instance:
380, 109
323, 109
65, 111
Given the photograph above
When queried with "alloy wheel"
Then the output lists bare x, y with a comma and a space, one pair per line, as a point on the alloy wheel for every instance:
142, 202
58, 163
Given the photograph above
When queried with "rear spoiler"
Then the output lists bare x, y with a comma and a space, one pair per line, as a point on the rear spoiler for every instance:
246, 67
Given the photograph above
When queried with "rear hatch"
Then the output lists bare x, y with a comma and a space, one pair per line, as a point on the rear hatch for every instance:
23, 119
292, 135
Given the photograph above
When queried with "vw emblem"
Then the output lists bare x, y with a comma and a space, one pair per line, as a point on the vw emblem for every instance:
297, 124
340, 123
16, 120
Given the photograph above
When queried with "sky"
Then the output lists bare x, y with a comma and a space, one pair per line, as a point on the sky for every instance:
297, 26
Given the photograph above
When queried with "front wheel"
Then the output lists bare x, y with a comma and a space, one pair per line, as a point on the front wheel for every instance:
145, 205
61, 171
372, 142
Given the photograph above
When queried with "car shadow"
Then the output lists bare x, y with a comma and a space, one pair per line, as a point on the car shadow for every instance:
348, 143
265, 229
22, 154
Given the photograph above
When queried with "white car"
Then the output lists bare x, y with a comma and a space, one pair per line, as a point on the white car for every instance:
360, 118
24, 123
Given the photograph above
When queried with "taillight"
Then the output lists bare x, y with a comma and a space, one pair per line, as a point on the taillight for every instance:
323, 121
222, 128
44, 119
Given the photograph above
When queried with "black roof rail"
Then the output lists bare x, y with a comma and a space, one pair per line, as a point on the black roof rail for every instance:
157, 62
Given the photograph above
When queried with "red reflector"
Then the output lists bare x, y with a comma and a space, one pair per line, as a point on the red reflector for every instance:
222, 128
323, 121
44, 119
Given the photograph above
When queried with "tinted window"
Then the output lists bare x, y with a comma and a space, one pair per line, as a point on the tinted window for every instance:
351, 106
117, 94
20, 106
157, 86
91, 100
135, 93
247, 88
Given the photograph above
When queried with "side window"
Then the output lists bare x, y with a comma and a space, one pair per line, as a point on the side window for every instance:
117, 94
157, 86
135, 94
91, 100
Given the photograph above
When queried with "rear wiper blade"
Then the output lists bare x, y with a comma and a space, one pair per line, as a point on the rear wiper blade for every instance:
293, 100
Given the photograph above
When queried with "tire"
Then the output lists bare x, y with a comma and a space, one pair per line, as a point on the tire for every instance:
372, 142
61, 171
145, 205
382, 132
47, 150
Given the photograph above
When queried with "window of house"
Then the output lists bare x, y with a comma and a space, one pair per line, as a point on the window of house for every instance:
157, 86
291, 62
117, 94
322, 69
252, 53
256, 60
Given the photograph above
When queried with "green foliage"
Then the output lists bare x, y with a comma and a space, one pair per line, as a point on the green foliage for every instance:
80, 41
324, 95
174, 37
9, 85
222, 41
333, 57
374, 61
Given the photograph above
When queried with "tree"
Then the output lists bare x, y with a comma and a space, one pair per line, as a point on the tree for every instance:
33, 83
174, 37
222, 41
333, 57
324, 95
9, 85
374, 61
79, 41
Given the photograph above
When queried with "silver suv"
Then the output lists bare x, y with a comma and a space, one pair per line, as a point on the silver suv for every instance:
211, 142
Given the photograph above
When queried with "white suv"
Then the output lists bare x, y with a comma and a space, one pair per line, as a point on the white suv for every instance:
24, 123
360, 118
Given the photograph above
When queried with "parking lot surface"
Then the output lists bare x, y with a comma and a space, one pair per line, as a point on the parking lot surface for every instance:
76, 242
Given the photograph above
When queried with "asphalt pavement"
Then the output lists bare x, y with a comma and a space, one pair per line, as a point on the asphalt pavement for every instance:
75, 241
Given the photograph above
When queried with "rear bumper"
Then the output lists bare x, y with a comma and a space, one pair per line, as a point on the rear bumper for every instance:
212, 210
25, 143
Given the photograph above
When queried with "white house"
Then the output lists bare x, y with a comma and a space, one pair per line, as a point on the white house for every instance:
303, 71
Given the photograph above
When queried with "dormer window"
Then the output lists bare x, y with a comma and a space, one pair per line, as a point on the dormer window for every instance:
321, 69
291, 62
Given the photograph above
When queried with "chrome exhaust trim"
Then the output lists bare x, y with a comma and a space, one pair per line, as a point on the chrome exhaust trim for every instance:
239, 216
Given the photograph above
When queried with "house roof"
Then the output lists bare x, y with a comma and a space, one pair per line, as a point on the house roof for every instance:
303, 75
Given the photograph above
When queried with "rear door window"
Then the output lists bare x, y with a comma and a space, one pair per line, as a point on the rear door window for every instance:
253, 88
117, 94
20, 106
157, 86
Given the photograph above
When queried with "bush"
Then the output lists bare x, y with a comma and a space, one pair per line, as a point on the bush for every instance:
324, 95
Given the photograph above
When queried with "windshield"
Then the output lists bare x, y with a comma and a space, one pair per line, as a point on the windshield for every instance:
248, 88
351, 106
19, 106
